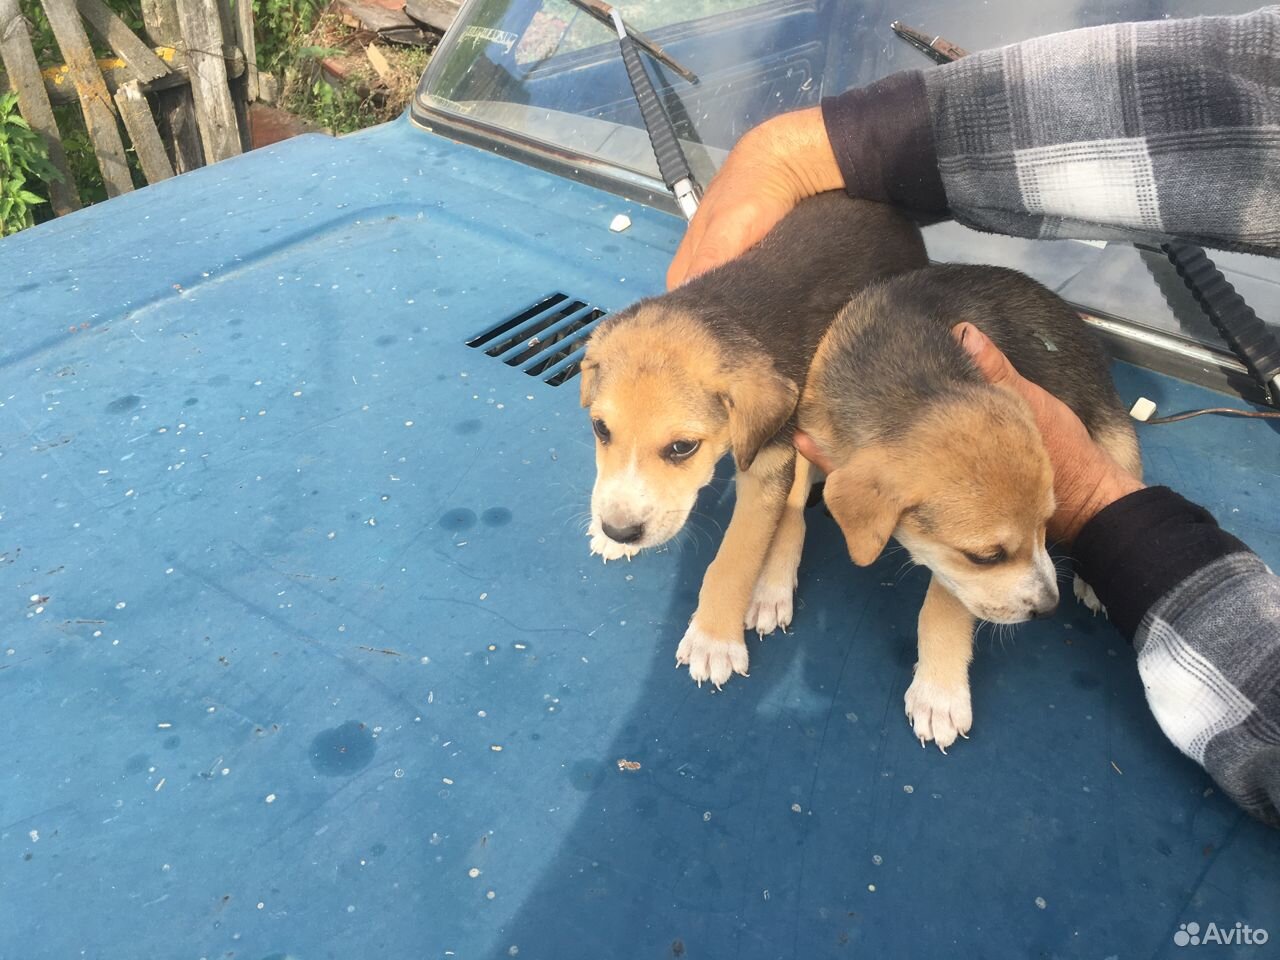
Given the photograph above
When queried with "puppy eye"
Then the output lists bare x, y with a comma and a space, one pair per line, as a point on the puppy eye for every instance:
601, 430
986, 559
682, 449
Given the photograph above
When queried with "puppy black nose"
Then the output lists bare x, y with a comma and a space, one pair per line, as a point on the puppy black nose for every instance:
623, 534
1039, 613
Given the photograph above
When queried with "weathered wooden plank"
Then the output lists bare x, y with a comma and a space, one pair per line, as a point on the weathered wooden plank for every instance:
215, 113
227, 21
386, 18
160, 19
95, 101
240, 100
176, 115
378, 60
230, 19
436, 14
24, 73
371, 15
146, 65
248, 45
59, 88
136, 114
175, 108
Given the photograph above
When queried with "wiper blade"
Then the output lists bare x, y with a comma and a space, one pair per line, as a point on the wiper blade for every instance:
673, 165
604, 13
1245, 333
936, 49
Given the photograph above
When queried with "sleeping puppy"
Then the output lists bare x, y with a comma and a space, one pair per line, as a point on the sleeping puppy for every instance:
676, 381
924, 450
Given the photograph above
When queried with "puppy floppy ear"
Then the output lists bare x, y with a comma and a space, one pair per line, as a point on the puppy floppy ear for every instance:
590, 377
861, 500
759, 402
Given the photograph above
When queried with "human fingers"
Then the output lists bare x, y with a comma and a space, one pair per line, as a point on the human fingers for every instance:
809, 449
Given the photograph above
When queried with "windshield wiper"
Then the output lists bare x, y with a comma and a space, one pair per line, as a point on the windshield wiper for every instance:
937, 49
604, 13
673, 165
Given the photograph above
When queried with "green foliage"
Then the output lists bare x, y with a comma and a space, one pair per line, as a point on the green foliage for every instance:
82, 162
23, 157
338, 109
280, 25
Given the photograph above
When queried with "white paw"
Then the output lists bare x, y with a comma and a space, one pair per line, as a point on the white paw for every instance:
607, 547
939, 713
771, 607
1084, 593
712, 658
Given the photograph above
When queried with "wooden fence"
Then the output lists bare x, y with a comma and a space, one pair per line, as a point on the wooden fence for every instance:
182, 97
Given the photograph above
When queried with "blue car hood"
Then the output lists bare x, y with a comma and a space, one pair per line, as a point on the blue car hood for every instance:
304, 654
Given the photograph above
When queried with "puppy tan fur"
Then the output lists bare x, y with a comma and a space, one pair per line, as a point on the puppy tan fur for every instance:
924, 450
675, 382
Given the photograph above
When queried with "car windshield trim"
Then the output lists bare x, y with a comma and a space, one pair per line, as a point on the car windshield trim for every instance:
575, 165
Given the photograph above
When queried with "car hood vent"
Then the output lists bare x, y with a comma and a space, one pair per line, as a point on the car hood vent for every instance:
545, 340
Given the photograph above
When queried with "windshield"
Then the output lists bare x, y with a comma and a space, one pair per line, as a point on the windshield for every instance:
547, 76
547, 71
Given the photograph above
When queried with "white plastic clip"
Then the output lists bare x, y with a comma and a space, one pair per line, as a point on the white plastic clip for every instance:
1142, 409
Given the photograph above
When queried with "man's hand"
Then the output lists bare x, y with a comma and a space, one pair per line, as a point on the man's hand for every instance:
1085, 477
809, 449
771, 169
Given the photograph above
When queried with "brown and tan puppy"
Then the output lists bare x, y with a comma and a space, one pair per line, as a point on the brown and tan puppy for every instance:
717, 365
922, 449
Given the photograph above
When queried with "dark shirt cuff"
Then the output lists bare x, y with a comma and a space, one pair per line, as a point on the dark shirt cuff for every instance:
883, 142
1138, 549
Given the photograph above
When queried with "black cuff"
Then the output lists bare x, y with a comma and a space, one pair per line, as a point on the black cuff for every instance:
883, 142
1139, 548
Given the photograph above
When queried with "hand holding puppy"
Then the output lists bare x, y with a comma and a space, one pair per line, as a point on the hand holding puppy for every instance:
1085, 477
767, 173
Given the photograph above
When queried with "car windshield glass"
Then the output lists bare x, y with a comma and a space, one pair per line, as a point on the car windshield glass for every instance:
548, 75
548, 71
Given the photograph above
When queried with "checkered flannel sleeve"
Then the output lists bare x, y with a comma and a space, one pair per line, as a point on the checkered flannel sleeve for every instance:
1203, 612
1134, 131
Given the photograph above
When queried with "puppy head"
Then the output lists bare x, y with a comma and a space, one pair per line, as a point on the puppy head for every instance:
968, 491
665, 407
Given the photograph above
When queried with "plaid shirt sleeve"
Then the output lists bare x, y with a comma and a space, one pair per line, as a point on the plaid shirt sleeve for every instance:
1203, 612
1132, 131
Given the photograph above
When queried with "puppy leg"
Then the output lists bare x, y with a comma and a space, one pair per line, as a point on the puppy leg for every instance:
713, 646
1084, 593
1121, 442
771, 600
937, 701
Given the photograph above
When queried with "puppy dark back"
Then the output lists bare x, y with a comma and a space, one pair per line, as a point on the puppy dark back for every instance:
895, 351
780, 296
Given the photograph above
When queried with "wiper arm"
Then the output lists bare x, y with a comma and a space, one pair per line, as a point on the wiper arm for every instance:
672, 163
936, 49
604, 13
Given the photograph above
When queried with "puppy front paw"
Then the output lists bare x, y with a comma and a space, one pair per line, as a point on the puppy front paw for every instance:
607, 547
712, 658
939, 712
1084, 593
771, 607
